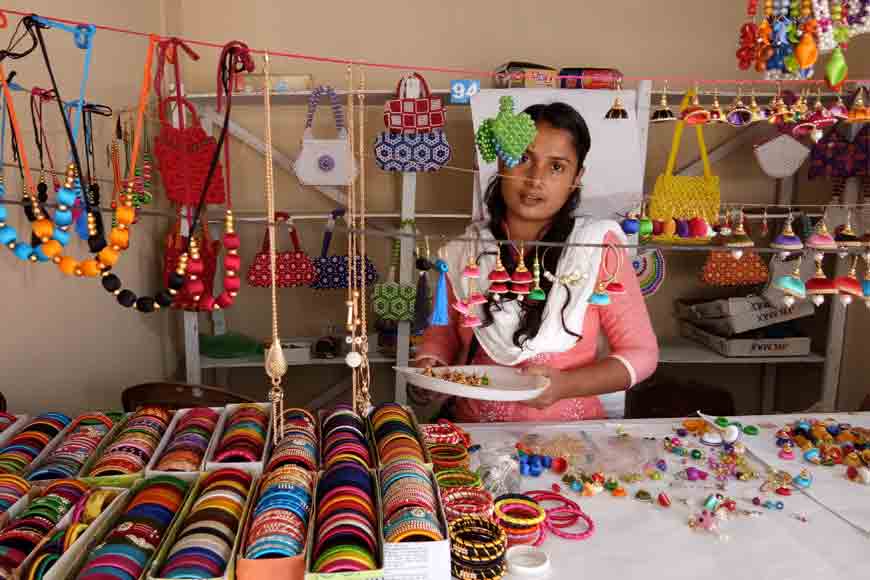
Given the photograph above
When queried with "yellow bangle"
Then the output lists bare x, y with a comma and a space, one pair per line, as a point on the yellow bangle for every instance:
520, 521
98, 501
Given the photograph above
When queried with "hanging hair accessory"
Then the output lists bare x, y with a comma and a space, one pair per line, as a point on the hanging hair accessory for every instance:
507, 136
423, 299
792, 285
848, 285
819, 285
440, 316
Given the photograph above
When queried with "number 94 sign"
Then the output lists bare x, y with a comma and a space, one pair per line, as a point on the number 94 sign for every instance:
461, 91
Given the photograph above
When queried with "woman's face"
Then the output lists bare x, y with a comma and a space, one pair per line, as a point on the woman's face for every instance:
537, 188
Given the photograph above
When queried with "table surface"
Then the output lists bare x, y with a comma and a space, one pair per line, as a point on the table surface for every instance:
633, 539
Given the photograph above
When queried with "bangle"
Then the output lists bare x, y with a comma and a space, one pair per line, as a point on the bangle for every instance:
444, 431
467, 502
457, 477
581, 515
448, 455
477, 549
505, 506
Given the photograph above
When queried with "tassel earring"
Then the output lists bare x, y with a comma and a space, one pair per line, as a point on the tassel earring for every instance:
819, 285
440, 317
848, 285
422, 301
537, 294
792, 285
499, 277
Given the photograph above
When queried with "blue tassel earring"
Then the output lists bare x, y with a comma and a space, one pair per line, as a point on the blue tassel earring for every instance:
439, 311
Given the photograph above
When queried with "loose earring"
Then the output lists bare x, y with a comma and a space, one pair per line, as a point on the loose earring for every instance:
617, 111
663, 112
792, 285
537, 294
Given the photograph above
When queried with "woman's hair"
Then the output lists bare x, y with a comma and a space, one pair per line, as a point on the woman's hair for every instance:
559, 116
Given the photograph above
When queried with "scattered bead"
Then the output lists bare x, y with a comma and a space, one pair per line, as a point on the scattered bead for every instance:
619, 492
664, 500
556, 488
643, 495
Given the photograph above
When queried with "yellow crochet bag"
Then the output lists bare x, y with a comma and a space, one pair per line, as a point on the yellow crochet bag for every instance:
678, 200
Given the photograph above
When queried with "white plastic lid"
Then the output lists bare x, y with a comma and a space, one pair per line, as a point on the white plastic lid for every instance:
527, 561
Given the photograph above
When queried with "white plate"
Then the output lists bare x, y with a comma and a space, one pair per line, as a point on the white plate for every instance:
505, 383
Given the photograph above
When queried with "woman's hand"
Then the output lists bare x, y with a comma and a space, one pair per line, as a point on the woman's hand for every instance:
554, 382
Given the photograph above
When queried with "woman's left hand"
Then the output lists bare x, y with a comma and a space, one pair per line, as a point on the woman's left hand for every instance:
555, 387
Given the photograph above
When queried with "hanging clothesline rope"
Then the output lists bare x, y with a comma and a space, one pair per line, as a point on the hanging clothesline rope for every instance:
436, 69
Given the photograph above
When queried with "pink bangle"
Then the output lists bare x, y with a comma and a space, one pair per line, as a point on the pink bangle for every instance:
581, 515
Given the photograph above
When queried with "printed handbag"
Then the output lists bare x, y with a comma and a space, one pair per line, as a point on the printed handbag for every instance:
412, 152
291, 268
391, 300
176, 245
683, 197
332, 271
325, 161
415, 109
183, 157
723, 269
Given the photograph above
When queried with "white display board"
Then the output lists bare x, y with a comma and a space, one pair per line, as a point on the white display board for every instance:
613, 181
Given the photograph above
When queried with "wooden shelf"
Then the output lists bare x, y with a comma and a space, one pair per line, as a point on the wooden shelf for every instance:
682, 351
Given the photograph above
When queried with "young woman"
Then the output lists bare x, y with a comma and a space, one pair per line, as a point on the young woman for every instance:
556, 339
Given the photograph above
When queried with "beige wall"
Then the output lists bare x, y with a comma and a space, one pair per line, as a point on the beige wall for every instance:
645, 39
67, 345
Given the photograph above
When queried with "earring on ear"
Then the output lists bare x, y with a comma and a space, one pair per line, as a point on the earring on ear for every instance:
537, 292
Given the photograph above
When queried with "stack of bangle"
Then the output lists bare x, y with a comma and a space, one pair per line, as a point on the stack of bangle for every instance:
244, 435
47, 555
12, 488
394, 433
345, 532
279, 521
409, 504
133, 447
458, 477
298, 443
189, 440
80, 442
459, 502
448, 455
24, 533
28, 443
129, 546
344, 438
204, 545
444, 431
565, 515
6, 420
521, 517
477, 548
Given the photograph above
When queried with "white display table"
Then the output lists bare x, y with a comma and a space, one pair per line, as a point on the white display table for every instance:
645, 541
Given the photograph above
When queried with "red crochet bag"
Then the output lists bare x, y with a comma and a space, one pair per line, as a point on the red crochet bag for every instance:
292, 268
415, 115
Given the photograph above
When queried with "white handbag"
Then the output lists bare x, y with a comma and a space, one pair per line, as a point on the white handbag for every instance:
325, 161
781, 156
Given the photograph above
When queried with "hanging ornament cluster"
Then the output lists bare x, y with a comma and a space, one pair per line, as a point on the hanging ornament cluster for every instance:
786, 39
507, 135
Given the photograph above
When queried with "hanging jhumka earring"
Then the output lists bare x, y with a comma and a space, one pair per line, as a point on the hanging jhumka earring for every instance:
738, 115
792, 285
845, 236
471, 273
819, 285
601, 295
521, 279
537, 294
848, 285
765, 227
820, 240
787, 240
617, 111
754, 109
663, 112
739, 239
499, 277
275, 363
695, 114
716, 114
475, 296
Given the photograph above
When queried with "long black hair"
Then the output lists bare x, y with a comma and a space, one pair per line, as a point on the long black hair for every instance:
559, 116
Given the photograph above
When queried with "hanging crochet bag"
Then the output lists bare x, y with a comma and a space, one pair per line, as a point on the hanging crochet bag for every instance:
176, 245
781, 156
332, 271
391, 300
325, 161
414, 140
183, 156
685, 204
722, 269
292, 268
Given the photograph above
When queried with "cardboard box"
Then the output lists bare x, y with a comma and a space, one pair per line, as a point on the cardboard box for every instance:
254, 467
746, 347
169, 539
732, 316
150, 470
527, 75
